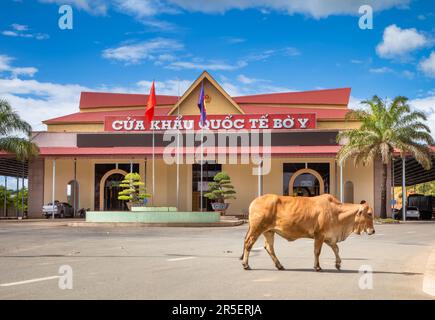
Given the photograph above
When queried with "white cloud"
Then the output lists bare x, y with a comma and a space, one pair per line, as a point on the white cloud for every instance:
96, 7
312, 8
26, 71
246, 80
172, 87
37, 101
233, 40
397, 42
5, 63
19, 30
428, 65
381, 70
147, 50
5, 66
211, 65
425, 104
19, 27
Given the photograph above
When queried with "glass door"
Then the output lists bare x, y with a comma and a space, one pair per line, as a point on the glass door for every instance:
210, 169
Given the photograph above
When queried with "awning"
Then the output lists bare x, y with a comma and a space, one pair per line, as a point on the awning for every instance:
147, 151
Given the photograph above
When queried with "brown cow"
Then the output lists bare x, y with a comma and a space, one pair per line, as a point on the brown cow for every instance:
322, 218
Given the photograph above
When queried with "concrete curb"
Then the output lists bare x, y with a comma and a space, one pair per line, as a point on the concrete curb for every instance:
139, 224
64, 221
429, 275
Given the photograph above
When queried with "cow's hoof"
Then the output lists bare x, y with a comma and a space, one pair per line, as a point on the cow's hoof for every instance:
338, 266
317, 269
280, 267
246, 267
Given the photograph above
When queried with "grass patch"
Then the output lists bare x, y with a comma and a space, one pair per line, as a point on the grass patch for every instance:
386, 221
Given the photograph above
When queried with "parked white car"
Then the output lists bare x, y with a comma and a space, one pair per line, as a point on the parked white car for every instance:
412, 213
61, 210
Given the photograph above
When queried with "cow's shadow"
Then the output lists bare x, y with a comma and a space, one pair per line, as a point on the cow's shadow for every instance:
346, 271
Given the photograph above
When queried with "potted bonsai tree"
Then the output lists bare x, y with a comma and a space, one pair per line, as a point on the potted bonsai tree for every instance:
134, 190
220, 190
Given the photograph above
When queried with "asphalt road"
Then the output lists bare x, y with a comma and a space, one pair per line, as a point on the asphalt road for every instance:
202, 263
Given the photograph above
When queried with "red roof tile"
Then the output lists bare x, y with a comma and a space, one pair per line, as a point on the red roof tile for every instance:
324, 97
96, 117
104, 99
321, 113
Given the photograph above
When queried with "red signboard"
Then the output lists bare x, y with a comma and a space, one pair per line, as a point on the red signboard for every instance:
214, 122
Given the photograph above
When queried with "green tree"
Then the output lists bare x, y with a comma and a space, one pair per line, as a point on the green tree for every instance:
134, 190
9, 198
220, 189
10, 125
386, 127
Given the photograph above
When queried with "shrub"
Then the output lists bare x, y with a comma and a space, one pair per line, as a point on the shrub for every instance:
220, 189
134, 189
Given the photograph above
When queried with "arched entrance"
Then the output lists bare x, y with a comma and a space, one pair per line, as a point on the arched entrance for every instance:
109, 188
306, 183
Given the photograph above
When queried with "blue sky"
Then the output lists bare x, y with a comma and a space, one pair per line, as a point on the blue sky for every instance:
250, 47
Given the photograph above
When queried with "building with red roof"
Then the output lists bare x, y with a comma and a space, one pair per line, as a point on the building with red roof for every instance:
84, 155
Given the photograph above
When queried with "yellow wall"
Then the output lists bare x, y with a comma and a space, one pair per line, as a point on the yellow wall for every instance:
166, 184
85, 178
363, 181
246, 184
219, 104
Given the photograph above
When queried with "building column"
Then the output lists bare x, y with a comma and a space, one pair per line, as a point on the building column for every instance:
5, 205
393, 197
76, 196
260, 179
404, 200
17, 213
53, 187
341, 184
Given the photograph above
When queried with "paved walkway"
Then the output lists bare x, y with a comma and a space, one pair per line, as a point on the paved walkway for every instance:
202, 263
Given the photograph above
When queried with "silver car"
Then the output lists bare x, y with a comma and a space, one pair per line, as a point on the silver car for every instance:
61, 210
412, 213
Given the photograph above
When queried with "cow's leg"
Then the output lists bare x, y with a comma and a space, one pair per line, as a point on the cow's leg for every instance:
250, 239
269, 240
318, 242
334, 248
243, 250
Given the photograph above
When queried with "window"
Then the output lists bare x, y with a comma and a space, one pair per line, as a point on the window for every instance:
348, 192
72, 194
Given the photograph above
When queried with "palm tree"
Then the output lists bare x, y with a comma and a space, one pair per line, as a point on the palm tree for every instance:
386, 127
10, 125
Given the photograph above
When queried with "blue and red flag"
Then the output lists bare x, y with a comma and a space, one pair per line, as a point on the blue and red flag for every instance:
201, 106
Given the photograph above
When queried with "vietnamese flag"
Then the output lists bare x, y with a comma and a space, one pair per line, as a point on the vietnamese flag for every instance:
151, 104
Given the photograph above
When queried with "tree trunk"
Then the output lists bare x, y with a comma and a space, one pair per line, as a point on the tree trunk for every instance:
384, 191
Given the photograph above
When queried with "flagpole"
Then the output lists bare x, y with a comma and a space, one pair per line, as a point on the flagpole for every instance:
202, 161
178, 152
149, 114
154, 185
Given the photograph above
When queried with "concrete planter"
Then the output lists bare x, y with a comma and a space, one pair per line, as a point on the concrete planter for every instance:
220, 207
152, 216
153, 209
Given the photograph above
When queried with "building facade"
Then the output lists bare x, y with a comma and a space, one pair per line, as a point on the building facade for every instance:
84, 155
